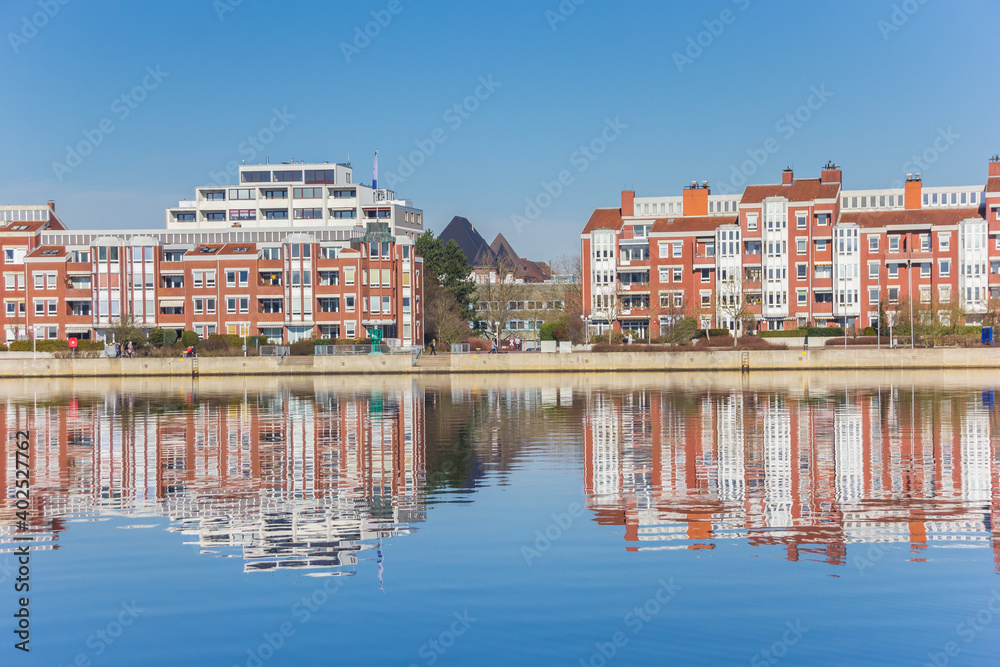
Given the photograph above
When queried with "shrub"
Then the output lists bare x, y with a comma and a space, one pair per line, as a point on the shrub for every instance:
824, 331
477, 344
156, 337
215, 344
189, 338
793, 333
859, 340
302, 348
617, 337
600, 338
169, 337
714, 333
869, 331
755, 343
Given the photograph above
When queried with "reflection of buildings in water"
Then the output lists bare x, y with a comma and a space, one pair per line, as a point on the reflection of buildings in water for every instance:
284, 479
810, 473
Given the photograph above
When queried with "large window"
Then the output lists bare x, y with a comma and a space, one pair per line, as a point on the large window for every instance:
287, 176
307, 193
255, 176
321, 175
308, 214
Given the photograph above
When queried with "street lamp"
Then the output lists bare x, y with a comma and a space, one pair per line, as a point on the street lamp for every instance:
586, 329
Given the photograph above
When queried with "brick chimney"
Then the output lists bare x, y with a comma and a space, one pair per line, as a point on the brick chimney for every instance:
52, 205
912, 193
628, 203
994, 166
787, 176
695, 200
831, 173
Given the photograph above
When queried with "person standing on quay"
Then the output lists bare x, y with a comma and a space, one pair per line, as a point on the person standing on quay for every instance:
433, 347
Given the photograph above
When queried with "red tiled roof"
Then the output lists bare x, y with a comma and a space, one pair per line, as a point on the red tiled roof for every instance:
803, 189
947, 216
993, 184
59, 254
235, 249
705, 223
604, 218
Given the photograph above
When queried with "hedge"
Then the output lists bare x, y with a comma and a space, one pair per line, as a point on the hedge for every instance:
714, 333
815, 332
53, 345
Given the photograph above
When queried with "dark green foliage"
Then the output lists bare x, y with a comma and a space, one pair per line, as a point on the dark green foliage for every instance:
169, 337
302, 348
189, 338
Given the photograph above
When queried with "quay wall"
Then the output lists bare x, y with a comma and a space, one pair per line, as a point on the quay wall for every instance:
823, 359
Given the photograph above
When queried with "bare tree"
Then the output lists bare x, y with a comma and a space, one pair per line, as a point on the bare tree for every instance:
733, 306
676, 324
497, 299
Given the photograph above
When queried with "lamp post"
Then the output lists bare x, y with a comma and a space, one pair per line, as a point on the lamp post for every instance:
586, 329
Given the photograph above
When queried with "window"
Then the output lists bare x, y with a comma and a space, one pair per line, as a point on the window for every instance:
893, 295
231, 305
706, 299
321, 175
944, 268
751, 222
349, 275
329, 305
821, 245
210, 306
873, 295
199, 306
925, 243
823, 219
215, 215
286, 176
925, 294
801, 296
210, 279
944, 293
800, 221
307, 193
824, 271
893, 270
925, 270
184, 217
308, 213
342, 215
872, 243
944, 241
705, 275
801, 271
342, 194
893, 244
244, 304
800, 246
678, 274
271, 253
276, 215
255, 176
243, 193
349, 303
664, 249
678, 248
215, 195
386, 305
276, 194
39, 280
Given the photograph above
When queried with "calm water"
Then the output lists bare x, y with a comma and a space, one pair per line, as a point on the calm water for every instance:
709, 519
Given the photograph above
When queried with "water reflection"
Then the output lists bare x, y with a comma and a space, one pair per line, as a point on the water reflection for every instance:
281, 478
314, 473
811, 469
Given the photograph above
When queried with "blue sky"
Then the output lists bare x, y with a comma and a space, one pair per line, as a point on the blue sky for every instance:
535, 82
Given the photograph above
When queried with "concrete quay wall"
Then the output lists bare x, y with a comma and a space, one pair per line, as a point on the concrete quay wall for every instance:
824, 359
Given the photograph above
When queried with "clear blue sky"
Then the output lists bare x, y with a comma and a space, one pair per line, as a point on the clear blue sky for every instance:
226, 65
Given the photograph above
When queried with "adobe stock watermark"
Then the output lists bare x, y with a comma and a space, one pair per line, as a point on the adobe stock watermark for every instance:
714, 28
433, 649
121, 108
921, 162
779, 648
786, 127
553, 532
873, 555
580, 160
302, 611
101, 639
562, 12
900, 16
252, 146
635, 620
967, 631
363, 35
454, 117
223, 7
32, 24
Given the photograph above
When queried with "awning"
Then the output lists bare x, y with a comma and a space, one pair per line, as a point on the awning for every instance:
78, 298
171, 303
79, 329
371, 323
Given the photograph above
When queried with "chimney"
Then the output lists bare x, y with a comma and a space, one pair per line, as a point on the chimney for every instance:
994, 166
912, 193
628, 203
830, 174
695, 200
787, 176
52, 205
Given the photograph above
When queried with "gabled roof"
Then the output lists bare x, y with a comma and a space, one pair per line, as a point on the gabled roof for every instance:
938, 216
49, 252
704, 223
803, 189
469, 241
604, 218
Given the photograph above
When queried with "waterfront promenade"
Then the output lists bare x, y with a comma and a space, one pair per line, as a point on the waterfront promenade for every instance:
823, 359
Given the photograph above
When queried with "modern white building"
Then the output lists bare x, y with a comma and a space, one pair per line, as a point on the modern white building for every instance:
295, 195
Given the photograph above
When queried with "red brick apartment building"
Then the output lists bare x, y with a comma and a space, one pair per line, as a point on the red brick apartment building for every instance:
344, 271
804, 251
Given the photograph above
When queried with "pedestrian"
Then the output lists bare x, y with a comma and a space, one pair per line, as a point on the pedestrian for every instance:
493, 346
118, 350
433, 347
